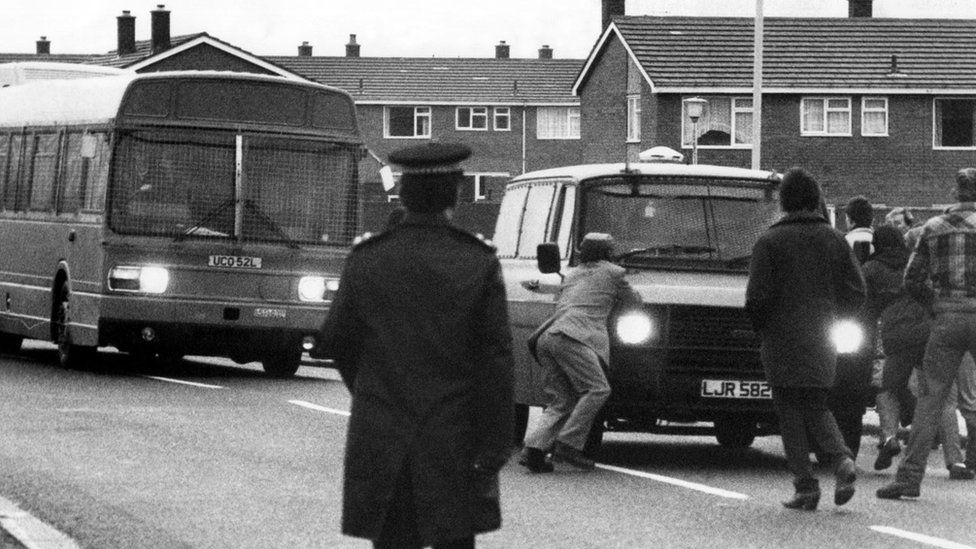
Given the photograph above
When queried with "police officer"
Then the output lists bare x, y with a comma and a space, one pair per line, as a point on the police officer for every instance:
419, 331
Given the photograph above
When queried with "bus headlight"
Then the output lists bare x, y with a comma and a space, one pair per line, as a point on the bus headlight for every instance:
634, 328
314, 288
847, 336
149, 279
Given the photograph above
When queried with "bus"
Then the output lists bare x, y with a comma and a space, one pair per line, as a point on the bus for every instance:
175, 213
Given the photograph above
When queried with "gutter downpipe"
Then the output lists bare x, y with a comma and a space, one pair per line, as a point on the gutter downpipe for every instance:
757, 71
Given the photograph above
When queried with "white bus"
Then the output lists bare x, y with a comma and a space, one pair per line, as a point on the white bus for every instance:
195, 212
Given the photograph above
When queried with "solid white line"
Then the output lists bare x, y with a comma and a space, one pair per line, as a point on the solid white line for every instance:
180, 381
675, 481
921, 538
316, 407
31, 531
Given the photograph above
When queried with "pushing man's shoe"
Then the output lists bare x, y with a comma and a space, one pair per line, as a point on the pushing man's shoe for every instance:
535, 460
898, 490
565, 453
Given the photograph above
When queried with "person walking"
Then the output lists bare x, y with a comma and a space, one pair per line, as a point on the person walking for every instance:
419, 331
802, 277
573, 348
941, 274
904, 331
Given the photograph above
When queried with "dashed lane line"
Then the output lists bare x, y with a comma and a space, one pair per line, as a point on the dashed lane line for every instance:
30, 531
921, 538
675, 481
316, 407
182, 382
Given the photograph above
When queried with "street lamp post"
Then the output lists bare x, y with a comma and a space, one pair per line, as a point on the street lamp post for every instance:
694, 106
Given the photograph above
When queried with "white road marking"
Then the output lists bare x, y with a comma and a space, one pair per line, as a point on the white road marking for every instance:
180, 381
31, 531
921, 538
316, 407
675, 481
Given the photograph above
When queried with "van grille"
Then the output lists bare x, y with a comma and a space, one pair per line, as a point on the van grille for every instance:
694, 327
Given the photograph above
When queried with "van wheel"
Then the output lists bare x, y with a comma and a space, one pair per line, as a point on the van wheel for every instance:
10, 343
521, 423
735, 432
70, 356
284, 363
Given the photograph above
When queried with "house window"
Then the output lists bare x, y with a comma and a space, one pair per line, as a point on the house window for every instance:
725, 122
503, 119
633, 118
954, 121
471, 118
825, 116
558, 123
874, 116
407, 122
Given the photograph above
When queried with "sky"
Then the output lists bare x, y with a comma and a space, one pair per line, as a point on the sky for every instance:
393, 28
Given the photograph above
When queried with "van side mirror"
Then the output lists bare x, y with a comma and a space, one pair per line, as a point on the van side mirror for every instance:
547, 256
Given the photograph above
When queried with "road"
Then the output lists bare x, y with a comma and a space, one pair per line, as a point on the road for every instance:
209, 454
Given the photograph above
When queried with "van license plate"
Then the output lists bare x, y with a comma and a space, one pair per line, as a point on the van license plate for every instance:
727, 388
235, 261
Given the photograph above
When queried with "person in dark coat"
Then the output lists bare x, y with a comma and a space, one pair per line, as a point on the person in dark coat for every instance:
419, 331
803, 276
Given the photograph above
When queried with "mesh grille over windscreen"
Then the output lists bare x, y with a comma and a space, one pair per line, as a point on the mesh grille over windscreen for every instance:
293, 191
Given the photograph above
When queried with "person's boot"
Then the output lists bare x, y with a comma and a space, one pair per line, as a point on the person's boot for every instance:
535, 460
807, 495
898, 490
565, 453
844, 475
889, 449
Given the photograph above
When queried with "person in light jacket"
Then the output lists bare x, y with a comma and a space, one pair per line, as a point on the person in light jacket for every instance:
803, 276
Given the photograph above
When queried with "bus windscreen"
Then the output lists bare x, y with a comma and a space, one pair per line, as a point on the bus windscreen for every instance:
184, 185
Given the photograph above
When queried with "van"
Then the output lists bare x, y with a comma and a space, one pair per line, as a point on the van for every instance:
687, 362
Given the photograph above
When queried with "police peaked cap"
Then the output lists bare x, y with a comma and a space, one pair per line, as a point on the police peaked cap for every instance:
431, 158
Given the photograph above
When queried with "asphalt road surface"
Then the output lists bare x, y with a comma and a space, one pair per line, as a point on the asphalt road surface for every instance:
210, 454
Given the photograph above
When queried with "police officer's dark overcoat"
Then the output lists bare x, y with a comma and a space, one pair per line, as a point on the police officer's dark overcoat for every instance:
420, 332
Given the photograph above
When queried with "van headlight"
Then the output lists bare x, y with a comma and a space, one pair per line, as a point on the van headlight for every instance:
314, 288
634, 328
847, 336
148, 279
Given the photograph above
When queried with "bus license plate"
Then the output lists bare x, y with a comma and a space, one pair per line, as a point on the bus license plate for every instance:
726, 388
235, 261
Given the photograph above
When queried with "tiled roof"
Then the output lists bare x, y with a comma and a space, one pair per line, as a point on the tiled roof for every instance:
50, 58
143, 50
805, 53
442, 80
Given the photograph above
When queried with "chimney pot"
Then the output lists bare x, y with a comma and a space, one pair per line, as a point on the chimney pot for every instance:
305, 50
126, 33
545, 52
352, 48
501, 50
859, 8
611, 9
160, 29
43, 46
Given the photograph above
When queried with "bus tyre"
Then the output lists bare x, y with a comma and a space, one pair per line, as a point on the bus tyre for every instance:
521, 423
735, 432
70, 356
283, 363
594, 441
10, 343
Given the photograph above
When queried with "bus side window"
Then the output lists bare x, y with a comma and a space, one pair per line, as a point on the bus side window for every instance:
95, 178
74, 165
4, 162
506, 236
563, 219
538, 210
44, 171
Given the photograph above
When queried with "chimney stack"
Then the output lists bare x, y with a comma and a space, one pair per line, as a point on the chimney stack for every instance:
501, 50
305, 50
611, 9
160, 29
545, 52
352, 48
43, 46
859, 8
127, 33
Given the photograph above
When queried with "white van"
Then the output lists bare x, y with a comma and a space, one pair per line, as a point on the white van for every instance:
685, 234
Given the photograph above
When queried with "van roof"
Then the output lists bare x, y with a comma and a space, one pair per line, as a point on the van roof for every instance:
581, 172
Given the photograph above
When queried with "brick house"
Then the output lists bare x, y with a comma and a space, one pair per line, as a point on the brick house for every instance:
880, 107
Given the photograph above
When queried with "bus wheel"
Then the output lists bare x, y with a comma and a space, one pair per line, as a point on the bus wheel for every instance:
521, 423
283, 363
69, 355
594, 441
10, 343
735, 432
